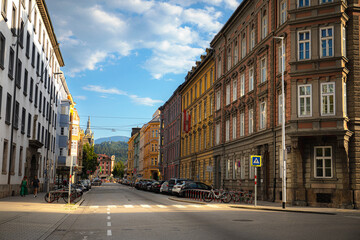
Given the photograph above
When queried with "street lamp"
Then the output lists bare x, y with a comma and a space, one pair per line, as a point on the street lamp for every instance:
283, 122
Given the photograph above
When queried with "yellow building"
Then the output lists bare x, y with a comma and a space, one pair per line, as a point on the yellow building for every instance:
197, 100
130, 160
151, 148
74, 138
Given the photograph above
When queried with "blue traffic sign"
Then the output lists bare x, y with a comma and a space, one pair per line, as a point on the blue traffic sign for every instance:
255, 161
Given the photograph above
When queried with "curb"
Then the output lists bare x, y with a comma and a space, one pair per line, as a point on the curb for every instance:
259, 208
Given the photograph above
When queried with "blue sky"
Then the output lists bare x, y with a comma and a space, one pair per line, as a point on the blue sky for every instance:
124, 58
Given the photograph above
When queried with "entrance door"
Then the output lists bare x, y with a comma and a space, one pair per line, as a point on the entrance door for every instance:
217, 172
33, 168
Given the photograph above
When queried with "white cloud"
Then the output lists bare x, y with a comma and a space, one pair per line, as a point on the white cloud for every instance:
175, 31
146, 101
80, 97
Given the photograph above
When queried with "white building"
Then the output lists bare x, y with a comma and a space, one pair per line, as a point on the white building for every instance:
30, 61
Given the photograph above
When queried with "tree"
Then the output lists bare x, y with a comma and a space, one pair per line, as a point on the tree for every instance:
119, 170
89, 160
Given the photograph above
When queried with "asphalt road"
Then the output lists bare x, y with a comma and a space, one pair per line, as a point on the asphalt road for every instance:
113, 211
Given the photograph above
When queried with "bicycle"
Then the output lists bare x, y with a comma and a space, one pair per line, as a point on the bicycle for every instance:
63, 193
224, 196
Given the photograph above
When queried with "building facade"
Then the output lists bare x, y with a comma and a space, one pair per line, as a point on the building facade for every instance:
104, 169
197, 140
30, 61
170, 136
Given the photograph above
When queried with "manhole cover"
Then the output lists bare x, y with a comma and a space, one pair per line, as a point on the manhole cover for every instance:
243, 220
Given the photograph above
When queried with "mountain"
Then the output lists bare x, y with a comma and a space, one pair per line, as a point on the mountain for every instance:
112, 139
119, 149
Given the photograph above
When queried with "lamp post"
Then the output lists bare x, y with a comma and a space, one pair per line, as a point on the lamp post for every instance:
283, 123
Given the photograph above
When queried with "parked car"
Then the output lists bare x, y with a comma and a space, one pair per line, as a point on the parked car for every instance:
96, 182
164, 187
173, 182
148, 185
177, 187
193, 185
85, 184
155, 186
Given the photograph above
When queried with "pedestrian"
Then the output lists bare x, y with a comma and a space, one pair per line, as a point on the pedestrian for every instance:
35, 184
23, 187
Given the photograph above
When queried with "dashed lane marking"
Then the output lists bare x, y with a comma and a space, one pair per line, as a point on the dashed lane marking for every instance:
179, 206
109, 224
145, 206
196, 206
128, 206
161, 206
111, 206
108, 218
109, 233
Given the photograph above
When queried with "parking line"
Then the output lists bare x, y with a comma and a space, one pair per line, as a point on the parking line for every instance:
109, 233
161, 206
128, 206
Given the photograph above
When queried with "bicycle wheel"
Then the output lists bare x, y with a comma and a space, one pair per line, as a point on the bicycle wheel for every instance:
235, 196
49, 197
226, 197
208, 197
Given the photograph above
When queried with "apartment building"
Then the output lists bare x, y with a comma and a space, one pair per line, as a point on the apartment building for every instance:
197, 98
30, 60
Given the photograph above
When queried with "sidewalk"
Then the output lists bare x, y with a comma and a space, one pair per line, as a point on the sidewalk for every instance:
274, 206
31, 218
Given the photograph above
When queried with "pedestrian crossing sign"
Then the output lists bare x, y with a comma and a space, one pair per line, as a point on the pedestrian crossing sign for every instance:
255, 161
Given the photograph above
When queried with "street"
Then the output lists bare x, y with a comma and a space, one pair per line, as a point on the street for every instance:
113, 211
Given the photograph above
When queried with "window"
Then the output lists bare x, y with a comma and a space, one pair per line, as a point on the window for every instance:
280, 110
242, 167
211, 77
38, 64
0, 100
304, 45
2, 51
242, 124
199, 149
251, 170
218, 99
20, 161
21, 37
211, 105
200, 112
242, 85
251, 79
282, 61
263, 68
35, 19
227, 94
325, 1
23, 120
323, 162
251, 121
17, 116
236, 52
283, 14
18, 74
29, 125
195, 91
36, 95
227, 130
200, 88
31, 89
252, 38
229, 59
234, 127
13, 21
8, 109
328, 99
234, 169
343, 41
303, 3
5, 156
344, 99
39, 32
205, 109
29, 9
4, 8
11, 64
305, 108
217, 133
326, 41
40, 102
204, 138
243, 46
234, 92
33, 56
228, 166
264, 26
262, 115
219, 67
205, 83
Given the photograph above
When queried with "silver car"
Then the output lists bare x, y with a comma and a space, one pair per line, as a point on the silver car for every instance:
164, 187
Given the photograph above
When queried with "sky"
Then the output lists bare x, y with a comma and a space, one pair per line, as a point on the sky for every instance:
124, 58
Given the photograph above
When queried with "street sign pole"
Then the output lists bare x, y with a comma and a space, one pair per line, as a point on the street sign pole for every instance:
255, 162
255, 186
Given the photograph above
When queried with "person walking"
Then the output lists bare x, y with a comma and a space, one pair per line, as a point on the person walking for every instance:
23, 187
35, 184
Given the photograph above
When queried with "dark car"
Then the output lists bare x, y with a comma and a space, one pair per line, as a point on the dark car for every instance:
193, 185
155, 186
96, 182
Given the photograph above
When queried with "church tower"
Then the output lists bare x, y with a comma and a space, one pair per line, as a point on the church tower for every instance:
89, 135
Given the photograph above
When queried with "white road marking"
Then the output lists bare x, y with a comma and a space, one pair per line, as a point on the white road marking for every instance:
111, 206
108, 213
213, 206
109, 224
94, 206
128, 206
145, 206
109, 233
179, 206
196, 206
108, 209
108, 217
161, 206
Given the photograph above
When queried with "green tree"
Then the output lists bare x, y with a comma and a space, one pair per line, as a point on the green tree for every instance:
119, 170
119, 149
89, 160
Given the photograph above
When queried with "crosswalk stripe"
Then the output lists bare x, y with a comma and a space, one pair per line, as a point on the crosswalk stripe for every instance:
196, 206
145, 206
109, 233
94, 206
128, 206
161, 206
109, 224
111, 206
179, 206
213, 206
